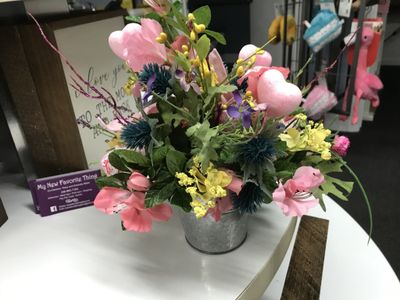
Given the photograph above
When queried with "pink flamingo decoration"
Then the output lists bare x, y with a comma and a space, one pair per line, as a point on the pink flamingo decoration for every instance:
366, 84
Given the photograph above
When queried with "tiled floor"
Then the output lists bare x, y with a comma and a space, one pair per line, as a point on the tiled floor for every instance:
375, 156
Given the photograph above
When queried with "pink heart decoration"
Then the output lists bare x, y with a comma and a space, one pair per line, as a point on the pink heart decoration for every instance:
115, 40
262, 60
281, 97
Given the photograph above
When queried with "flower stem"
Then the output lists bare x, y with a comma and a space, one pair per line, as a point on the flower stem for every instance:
174, 106
367, 202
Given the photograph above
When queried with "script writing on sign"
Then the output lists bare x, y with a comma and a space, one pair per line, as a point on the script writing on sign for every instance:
87, 49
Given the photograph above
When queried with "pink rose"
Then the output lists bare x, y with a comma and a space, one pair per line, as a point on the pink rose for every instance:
294, 197
134, 215
341, 145
137, 44
138, 182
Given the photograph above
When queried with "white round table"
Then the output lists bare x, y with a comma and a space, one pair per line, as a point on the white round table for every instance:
83, 254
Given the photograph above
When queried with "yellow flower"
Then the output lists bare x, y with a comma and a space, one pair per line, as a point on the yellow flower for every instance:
294, 139
115, 141
184, 180
205, 187
326, 155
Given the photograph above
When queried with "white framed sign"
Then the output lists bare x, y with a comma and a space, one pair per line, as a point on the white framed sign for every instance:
86, 48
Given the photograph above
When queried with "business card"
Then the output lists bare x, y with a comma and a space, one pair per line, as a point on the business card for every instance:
55, 194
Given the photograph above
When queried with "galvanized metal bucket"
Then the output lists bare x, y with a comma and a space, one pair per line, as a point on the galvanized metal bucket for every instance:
211, 237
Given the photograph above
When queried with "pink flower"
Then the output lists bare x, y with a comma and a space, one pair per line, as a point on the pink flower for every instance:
225, 204
161, 7
137, 44
341, 144
149, 110
113, 126
138, 182
262, 60
308, 178
130, 205
217, 65
294, 197
108, 169
179, 41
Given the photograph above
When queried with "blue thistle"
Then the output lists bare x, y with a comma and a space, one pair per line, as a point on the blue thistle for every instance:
137, 135
257, 151
158, 76
249, 199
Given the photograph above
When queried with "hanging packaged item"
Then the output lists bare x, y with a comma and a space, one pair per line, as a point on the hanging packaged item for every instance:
367, 84
277, 27
323, 29
319, 101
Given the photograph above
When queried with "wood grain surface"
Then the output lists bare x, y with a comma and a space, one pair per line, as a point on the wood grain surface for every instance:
303, 279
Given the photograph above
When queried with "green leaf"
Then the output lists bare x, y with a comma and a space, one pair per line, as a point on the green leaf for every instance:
219, 37
203, 15
158, 193
159, 154
180, 19
182, 199
201, 135
153, 15
203, 46
176, 25
183, 61
110, 181
133, 157
133, 19
175, 161
117, 162
331, 184
221, 89
122, 176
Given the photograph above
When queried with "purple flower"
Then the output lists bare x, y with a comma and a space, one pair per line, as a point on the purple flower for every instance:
185, 83
149, 90
242, 110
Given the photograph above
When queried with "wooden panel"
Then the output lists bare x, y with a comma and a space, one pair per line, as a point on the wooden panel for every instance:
303, 280
25, 99
51, 86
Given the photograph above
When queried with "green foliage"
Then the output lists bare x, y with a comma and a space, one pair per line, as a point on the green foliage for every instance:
133, 19
133, 158
180, 22
182, 199
203, 15
117, 162
158, 193
332, 186
202, 145
110, 181
183, 61
203, 46
175, 161
217, 36
159, 154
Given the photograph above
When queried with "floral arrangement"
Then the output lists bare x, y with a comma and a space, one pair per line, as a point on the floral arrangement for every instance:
206, 138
